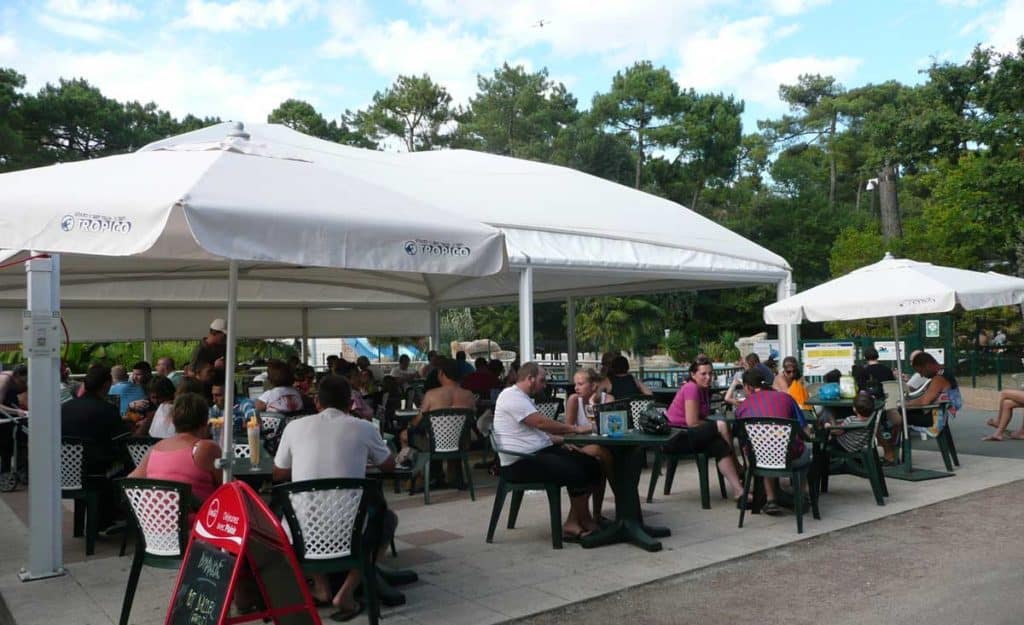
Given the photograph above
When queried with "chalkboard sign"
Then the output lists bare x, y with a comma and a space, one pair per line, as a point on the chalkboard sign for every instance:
203, 590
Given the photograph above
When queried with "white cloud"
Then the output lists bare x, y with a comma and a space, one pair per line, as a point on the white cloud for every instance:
616, 32
93, 10
242, 14
76, 30
793, 7
967, 4
8, 48
178, 79
451, 56
1006, 26
739, 66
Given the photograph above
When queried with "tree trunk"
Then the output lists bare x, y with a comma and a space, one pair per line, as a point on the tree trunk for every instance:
832, 170
860, 187
1020, 255
639, 154
888, 203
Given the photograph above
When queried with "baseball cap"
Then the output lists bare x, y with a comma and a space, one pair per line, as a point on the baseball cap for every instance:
219, 325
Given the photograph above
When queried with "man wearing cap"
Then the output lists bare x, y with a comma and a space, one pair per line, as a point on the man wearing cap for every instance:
213, 346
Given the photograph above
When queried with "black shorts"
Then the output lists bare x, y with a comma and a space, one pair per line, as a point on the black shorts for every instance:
920, 418
575, 470
703, 438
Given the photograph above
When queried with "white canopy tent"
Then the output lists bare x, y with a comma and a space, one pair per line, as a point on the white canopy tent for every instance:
147, 215
566, 233
893, 287
313, 226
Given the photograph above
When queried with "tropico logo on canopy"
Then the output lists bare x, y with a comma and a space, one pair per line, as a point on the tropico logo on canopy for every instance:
213, 512
95, 223
436, 248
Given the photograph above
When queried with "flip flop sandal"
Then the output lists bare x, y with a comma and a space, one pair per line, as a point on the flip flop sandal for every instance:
771, 508
342, 616
577, 537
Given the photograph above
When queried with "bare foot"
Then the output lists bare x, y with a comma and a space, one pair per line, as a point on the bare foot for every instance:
1018, 435
994, 437
992, 423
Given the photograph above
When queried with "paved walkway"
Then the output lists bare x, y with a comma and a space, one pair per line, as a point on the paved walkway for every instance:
951, 563
465, 580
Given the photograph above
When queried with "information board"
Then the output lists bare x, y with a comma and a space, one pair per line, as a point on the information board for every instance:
887, 350
203, 592
820, 358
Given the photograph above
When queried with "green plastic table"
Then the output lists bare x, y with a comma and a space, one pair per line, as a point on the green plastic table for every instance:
627, 458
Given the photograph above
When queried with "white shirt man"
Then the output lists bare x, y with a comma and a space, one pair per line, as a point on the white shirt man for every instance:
334, 444
519, 427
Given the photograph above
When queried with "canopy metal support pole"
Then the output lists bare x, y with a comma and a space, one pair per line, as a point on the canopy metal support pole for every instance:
305, 336
526, 314
45, 547
908, 467
147, 329
788, 334
228, 431
435, 328
570, 332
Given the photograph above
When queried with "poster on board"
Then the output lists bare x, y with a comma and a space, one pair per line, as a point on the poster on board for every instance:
820, 358
887, 350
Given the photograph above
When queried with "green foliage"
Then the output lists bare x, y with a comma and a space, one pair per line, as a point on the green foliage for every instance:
456, 325
677, 346
619, 323
722, 349
498, 323
516, 113
643, 104
413, 109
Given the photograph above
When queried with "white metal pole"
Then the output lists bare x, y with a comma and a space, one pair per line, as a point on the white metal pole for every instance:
228, 431
787, 332
903, 395
435, 328
45, 547
526, 315
305, 336
570, 332
147, 329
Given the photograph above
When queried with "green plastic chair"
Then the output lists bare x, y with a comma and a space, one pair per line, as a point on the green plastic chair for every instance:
326, 519
945, 437
74, 485
447, 439
863, 461
554, 493
670, 460
767, 442
137, 449
159, 509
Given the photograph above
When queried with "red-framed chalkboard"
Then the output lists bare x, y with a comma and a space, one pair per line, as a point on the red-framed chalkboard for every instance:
238, 546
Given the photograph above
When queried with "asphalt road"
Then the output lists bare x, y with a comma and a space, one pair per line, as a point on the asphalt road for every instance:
954, 563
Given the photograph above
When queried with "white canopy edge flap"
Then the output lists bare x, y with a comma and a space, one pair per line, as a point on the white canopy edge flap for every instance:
128, 324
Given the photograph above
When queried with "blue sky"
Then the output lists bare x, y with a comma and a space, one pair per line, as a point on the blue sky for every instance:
238, 59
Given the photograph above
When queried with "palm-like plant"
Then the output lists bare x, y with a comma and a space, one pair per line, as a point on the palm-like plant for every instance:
618, 322
498, 323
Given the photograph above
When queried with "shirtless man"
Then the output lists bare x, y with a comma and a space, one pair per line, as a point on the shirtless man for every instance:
448, 395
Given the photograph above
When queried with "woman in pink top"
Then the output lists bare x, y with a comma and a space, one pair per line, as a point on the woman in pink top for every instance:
689, 410
189, 455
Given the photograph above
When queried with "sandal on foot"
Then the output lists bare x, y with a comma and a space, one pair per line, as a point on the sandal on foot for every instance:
577, 537
771, 508
343, 615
